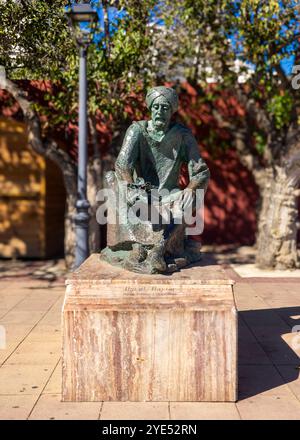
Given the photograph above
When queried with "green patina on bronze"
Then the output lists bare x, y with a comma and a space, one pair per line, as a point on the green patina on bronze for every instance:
151, 156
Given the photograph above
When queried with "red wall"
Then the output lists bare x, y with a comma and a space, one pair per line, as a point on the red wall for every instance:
230, 202
232, 195
231, 198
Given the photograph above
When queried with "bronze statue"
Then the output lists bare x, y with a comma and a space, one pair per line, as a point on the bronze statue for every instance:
148, 169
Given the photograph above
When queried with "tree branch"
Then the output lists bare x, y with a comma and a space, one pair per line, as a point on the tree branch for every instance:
241, 137
256, 112
105, 5
247, 158
47, 148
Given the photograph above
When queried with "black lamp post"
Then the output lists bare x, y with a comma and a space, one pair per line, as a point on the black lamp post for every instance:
82, 21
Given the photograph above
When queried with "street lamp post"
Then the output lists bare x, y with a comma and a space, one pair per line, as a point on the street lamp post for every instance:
82, 20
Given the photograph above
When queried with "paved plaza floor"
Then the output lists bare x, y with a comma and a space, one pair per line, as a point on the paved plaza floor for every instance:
30, 361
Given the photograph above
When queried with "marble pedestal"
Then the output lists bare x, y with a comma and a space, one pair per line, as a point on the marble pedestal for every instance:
134, 337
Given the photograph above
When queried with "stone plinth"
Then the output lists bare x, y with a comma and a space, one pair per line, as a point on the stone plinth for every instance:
136, 337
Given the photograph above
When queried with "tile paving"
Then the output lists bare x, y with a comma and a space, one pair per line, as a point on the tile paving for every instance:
30, 366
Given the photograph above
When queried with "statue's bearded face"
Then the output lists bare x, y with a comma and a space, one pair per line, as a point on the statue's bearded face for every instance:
161, 112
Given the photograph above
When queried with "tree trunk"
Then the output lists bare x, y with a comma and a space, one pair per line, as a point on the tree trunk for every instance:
49, 149
278, 182
277, 225
94, 184
69, 240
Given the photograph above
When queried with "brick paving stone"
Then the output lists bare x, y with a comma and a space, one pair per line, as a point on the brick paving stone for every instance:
292, 340
18, 316
14, 336
249, 271
291, 376
55, 381
269, 384
260, 379
203, 411
50, 407
269, 408
263, 394
23, 378
267, 326
16, 407
36, 353
135, 411
8, 302
38, 301
45, 332
249, 350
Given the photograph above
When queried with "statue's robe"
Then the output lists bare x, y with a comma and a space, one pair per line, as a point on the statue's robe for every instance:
159, 164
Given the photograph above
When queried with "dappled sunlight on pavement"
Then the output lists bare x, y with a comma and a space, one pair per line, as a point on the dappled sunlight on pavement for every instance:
30, 358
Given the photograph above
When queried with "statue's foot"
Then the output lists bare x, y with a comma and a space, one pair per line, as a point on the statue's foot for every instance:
133, 266
155, 260
136, 257
150, 266
138, 253
142, 262
193, 256
176, 263
192, 251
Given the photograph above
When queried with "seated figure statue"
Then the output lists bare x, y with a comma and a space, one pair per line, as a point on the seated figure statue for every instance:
147, 169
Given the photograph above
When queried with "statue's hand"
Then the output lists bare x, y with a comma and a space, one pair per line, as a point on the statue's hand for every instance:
184, 203
136, 191
188, 199
133, 195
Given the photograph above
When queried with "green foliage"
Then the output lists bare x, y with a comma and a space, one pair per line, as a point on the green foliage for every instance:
280, 108
260, 141
241, 44
37, 44
216, 40
35, 39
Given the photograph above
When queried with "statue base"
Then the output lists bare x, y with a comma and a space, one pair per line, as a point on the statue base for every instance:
137, 337
123, 258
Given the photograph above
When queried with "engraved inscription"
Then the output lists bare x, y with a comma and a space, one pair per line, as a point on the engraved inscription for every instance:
149, 290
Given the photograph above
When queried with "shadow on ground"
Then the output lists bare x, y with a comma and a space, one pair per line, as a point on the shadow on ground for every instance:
48, 270
267, 351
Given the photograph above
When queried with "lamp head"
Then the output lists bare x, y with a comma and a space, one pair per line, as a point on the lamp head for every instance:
82, 21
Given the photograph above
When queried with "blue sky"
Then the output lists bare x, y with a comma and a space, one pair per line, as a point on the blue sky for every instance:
287, 63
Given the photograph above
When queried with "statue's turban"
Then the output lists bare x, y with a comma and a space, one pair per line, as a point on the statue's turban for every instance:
168, 93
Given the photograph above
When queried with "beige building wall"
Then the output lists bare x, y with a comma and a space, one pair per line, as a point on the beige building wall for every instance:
31, 197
